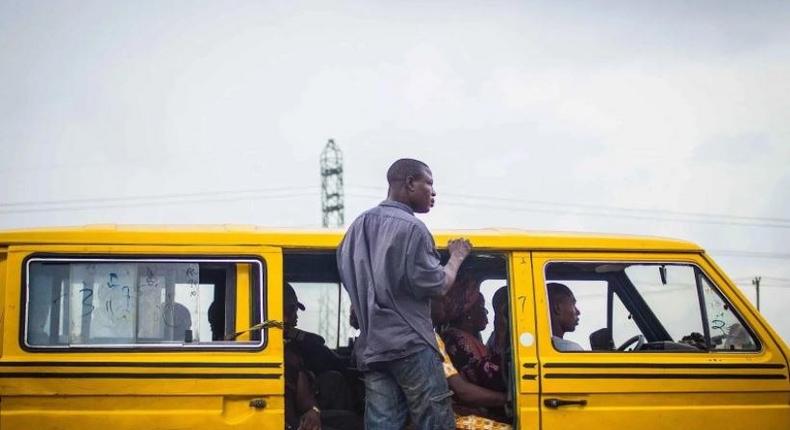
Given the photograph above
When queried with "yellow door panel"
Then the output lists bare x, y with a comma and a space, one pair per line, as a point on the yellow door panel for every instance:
672, 410
662, 380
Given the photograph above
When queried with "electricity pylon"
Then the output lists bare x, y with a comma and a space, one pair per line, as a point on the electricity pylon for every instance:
332, 186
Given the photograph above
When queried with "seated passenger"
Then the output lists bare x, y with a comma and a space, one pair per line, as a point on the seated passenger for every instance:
216, 321
318, 358
564, 316
465, 310
315, 375
470, 401
500, 338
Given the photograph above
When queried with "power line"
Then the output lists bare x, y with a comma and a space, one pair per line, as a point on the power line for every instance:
749, 254
766, 281
161, 202
598, 214
726, 253
719, 252
575, 208
772, 278
154, 196
762, 285
606, 207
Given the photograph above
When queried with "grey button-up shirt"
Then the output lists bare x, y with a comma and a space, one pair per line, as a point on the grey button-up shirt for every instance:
390, 267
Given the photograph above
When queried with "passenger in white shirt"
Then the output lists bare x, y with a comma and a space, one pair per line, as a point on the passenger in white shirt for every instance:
564, 316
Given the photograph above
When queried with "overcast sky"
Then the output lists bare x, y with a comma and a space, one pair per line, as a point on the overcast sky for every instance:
658, 118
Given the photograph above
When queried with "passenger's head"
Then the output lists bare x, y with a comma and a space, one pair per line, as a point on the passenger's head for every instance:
290, 306
411, 182
464, 305
499, 300
216, 320
499, 303
477, 318
562, 304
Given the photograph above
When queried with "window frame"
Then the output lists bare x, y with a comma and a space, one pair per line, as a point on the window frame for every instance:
257, 286
698, 272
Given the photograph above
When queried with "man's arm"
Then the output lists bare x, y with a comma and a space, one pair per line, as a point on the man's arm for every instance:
317, 356
459, 250
475, 395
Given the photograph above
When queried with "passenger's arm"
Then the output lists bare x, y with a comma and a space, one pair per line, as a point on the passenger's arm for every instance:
475, 395
317, 355
459, 249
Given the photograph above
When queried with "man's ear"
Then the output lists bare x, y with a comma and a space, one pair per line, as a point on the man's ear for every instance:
553, 308
409, 182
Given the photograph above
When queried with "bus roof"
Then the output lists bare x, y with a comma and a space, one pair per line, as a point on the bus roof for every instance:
249, 235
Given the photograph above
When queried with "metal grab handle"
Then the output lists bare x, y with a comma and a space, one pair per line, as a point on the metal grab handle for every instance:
556, 403
261, 326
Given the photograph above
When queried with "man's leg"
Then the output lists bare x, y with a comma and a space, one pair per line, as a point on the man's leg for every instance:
424, 385
385, 406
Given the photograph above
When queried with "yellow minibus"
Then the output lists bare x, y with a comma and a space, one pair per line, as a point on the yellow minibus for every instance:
128, 327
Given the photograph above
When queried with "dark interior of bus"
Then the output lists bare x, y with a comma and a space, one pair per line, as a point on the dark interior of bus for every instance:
315, 279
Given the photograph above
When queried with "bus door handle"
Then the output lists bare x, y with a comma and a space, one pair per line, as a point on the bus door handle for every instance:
258, 403
556, 403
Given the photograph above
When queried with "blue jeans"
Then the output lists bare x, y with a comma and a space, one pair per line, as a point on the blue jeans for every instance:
414, 385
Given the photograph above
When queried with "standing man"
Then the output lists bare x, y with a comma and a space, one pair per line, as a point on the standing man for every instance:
389, 264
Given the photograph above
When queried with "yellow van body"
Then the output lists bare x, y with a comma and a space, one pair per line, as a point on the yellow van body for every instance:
90, 337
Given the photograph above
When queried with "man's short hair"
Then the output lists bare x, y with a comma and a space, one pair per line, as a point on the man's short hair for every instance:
403, 168
557, 291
